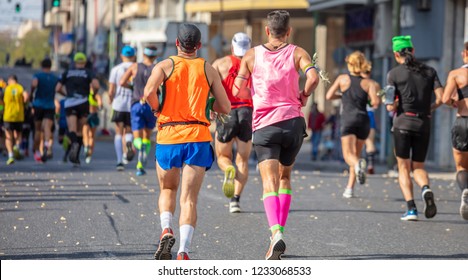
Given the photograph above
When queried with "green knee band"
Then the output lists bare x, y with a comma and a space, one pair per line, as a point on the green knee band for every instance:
277, 227
285, 191
270, 194
137, 143
147, 144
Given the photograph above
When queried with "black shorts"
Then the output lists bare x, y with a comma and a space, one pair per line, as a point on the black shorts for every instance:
239, 125
411, 142
460, 134
281, 141
40, 114
80, 111
121, 117
13, 126
361, 132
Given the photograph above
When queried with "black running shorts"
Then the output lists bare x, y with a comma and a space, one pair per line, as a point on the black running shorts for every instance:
121, 117
40, 114
239, 125
281, 141
13, 126
361, 132
80, 111
410, 143
460, 134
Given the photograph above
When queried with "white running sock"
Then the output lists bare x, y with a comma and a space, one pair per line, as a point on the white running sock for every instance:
186, 234
118, 147
129, 138
166, 220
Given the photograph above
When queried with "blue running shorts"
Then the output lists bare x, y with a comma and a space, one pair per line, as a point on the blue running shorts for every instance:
371, 115
176, 155
142, 117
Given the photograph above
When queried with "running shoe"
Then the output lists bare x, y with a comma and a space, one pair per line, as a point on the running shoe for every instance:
410, 215
37, 157
234, 207
370, 170
360, 170
166, 241
10, 161
348, 193
228, 183
430, 209
16, 153
74, 155
88, 159
120, 167
464, 204
50, 155
124, 159
182, 256
277, 247
44, 154
130, 151
140, 172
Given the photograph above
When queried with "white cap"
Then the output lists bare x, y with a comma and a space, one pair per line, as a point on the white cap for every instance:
240, 44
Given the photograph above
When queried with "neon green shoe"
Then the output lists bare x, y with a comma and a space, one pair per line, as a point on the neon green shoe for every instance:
228, 183
10, 161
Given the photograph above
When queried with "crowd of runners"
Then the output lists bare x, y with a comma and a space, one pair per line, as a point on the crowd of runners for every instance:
255, 98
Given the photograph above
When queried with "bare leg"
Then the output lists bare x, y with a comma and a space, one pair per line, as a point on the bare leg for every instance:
242, 163
404, 177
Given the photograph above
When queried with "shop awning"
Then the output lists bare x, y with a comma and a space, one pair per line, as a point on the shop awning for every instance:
317, 5
215, 6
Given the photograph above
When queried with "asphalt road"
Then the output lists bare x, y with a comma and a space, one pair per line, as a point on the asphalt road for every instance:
56, 211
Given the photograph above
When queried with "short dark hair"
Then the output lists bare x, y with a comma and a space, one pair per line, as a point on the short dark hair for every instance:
278, 23
466, 46
46, 63
189, 37
13, 77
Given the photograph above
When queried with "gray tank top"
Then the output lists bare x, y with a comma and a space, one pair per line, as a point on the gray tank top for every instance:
140, 80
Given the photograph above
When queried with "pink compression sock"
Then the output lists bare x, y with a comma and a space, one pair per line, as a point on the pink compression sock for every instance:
272, 206
285, 197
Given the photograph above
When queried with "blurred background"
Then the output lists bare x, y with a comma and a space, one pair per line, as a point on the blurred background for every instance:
33, 29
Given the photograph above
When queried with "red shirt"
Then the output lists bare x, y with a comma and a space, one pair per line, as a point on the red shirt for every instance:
316, 121
228, 83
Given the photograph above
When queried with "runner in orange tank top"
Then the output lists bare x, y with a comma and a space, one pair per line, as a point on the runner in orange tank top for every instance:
238, 128
183, 141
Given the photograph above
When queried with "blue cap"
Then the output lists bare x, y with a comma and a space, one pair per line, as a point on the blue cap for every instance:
128, 51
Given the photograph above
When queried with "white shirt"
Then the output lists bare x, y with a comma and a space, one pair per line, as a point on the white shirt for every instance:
123, 96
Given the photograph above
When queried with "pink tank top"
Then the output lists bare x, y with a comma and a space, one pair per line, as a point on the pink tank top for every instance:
275, 87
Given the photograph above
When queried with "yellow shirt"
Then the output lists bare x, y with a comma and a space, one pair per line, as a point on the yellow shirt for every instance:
14, 103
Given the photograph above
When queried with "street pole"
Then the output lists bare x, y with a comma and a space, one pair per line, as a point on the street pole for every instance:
396, 17
112, 37
56, 42
85, 26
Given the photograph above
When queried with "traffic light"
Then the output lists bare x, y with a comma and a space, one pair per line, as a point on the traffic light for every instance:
18, 7
55, 3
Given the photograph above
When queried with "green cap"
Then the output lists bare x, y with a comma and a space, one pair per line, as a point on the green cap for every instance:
79, 57
401, 42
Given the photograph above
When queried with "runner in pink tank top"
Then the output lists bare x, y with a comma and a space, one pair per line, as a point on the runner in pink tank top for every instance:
275, 87
278, 124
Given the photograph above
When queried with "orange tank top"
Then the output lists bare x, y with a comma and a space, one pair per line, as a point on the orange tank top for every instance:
185, 93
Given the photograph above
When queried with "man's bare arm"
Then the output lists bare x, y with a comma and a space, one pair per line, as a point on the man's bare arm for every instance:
131, 71
158, 75
222, 104
240, 88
